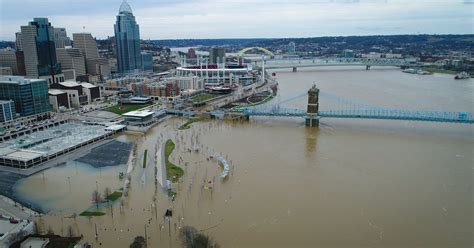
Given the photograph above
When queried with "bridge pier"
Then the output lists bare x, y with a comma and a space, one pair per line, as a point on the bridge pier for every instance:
312, 116
295, 69
312, 121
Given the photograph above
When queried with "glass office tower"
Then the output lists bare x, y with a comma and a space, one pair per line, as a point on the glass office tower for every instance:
127, 37
30, 95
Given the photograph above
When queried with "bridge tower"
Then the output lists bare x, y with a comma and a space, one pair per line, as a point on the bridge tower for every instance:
312, 117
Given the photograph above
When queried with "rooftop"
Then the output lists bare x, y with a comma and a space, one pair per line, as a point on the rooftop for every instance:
55, 92
69, 84
88, 85
18, 80
141, 113
49, 141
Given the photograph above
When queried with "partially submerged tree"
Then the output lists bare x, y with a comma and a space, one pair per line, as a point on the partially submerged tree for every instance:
96, 198
138, 242
192, 238
107, 194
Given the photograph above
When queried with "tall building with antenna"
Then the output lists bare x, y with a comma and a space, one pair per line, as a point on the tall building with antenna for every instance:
127, 37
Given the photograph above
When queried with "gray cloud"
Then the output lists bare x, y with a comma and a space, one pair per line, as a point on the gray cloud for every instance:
162, 19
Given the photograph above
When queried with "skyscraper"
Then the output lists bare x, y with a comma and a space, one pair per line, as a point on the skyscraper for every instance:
291, 48
60, 38
127, 40
216, 55
37, 39
71, 59
94, 64
87, 44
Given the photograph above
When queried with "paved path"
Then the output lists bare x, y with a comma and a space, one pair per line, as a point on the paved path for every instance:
160, 158
8, 208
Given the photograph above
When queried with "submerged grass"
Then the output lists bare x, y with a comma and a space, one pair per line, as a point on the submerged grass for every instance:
173, 172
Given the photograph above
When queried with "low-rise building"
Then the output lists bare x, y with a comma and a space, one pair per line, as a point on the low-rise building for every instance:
78, 93
59, 99
139, 118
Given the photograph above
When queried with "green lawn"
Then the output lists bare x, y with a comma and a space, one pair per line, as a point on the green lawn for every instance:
435, 70
188, 123
87, 213
114, 196
124, 108
144, 158
202, 97
173, 172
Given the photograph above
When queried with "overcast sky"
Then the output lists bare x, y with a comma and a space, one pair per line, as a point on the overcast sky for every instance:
177, 19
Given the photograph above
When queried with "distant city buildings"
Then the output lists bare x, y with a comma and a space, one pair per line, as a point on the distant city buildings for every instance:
61, 39
37, 42
216, 55
127, 40
29, 95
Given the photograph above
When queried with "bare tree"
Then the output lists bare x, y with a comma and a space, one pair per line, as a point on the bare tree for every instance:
96, 198
70, 231
138, 242
107, 194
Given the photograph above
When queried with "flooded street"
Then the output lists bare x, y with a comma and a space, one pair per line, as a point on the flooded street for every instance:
348, 183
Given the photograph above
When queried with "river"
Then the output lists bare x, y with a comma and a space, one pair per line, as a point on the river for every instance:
348, 183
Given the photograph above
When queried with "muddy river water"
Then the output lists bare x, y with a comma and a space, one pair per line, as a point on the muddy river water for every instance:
348, 183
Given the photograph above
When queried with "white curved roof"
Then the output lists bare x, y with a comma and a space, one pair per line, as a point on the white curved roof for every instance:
125, 8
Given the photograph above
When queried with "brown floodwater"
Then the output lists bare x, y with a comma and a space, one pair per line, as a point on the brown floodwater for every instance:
348, 183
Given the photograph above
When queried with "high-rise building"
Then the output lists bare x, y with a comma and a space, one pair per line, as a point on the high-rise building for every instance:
8, 59
127, 40
191, 54
94, 64
7, 110
216, 55
60, 38
37, 39
18, 44
29, 95
292, 48
147, 61
72, 59
87, 44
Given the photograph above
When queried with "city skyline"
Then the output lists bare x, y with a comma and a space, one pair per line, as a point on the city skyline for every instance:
184, 19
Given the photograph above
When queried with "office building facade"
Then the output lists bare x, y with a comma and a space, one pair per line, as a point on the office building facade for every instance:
61, 40
127, 41
8, 59
37, 41
216, 55
72, 59
147, 61
29, 95
7, 110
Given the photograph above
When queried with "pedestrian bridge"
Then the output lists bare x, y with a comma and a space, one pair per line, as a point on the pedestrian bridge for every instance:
381, 114
347, 109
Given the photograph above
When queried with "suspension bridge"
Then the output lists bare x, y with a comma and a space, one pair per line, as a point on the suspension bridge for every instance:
348, 109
